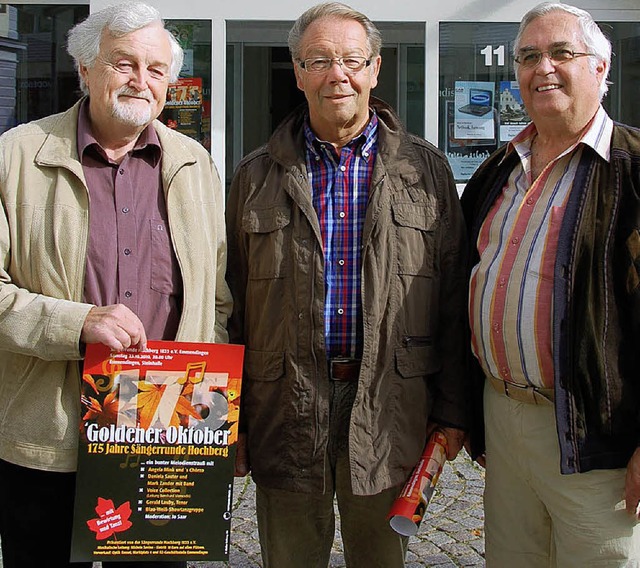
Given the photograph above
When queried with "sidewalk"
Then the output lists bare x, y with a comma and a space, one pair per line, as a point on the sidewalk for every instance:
451, 534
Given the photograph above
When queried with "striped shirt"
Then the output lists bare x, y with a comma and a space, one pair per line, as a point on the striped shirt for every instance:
340, 192
511, 288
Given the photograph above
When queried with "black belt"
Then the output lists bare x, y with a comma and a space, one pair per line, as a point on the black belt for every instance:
344, 369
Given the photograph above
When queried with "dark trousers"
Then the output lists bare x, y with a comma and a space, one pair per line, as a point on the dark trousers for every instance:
36, 516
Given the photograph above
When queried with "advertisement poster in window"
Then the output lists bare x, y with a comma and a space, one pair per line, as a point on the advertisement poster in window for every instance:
464, 155
156, 454
513, 115
183, 109
474, 110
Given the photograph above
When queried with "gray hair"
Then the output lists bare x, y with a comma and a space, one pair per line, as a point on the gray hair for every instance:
595, 41
119, 20
333, 10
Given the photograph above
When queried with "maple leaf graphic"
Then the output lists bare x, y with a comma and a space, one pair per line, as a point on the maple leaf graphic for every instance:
110, 520
105, 413
152, 397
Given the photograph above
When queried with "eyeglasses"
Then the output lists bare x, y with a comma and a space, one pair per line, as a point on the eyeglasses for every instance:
350, 65
558, 56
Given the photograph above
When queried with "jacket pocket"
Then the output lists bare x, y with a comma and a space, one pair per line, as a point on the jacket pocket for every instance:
415, 224
268, 241
417, 360
264, 366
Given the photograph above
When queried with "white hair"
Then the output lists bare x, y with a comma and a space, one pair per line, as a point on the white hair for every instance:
594, 40
119, 20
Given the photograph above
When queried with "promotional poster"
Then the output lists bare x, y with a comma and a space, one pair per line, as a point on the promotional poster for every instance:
156, 453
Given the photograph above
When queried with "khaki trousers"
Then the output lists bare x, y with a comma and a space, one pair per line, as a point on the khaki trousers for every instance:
297, 530
536, 517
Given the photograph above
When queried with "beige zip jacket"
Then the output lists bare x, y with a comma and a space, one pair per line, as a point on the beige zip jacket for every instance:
43, 239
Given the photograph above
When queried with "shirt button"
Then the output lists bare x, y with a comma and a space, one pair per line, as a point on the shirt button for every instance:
317, 158
341, 262
502, 281
515, 240
127, 252
496, 326
300, 316
121, 171
125, 210
343, 168
530, 201
342, 214
340, 311
128, 294
365, 154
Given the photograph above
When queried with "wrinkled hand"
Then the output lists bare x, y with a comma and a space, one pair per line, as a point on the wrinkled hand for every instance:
455, 438
115, 326
242, 456
632, 484
481, 459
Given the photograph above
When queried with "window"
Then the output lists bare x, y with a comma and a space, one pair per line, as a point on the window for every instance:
37, 76
480, 105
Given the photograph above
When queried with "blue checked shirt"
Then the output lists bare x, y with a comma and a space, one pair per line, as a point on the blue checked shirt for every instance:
340, 187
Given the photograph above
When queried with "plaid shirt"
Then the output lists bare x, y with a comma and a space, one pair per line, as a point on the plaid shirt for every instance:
340, 187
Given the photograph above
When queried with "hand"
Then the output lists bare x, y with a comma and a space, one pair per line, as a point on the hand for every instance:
481, 459
115, 326
242, 456
632, 484
455, 438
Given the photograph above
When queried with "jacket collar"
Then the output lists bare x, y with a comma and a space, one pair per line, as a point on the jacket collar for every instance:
287, 144
60, 146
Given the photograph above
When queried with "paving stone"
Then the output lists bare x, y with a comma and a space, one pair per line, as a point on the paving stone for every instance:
451, 534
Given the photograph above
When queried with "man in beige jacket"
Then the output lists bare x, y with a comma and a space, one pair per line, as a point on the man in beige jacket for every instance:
111, 231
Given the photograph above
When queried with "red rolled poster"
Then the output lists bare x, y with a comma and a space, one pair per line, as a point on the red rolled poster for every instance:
409, 508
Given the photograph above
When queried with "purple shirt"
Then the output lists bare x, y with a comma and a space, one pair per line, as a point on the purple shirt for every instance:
340, 187
130, 258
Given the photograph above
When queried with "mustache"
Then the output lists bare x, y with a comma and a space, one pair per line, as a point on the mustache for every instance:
129, 92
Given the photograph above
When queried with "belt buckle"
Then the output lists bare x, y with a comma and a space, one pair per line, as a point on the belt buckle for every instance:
339, 361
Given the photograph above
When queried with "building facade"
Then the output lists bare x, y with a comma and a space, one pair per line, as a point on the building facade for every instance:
446, 67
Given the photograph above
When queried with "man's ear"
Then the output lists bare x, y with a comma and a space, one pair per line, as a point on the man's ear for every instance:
298, 73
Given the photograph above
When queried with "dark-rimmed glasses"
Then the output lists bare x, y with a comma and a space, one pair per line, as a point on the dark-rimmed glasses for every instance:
351, 64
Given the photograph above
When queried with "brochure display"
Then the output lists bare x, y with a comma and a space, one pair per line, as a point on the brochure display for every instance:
513, 115
156, 452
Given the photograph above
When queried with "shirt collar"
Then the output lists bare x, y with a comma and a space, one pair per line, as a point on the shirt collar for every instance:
597, 136
363, 143
148, 140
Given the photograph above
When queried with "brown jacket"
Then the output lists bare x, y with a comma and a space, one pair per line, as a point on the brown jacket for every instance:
414, 310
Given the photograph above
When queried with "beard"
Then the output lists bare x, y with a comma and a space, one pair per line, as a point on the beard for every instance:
132, 113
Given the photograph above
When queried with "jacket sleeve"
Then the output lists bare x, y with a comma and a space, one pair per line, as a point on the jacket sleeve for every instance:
237, 266
449, 387
223, 300
30, 323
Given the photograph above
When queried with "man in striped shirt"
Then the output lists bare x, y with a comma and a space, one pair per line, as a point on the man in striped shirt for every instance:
553, 306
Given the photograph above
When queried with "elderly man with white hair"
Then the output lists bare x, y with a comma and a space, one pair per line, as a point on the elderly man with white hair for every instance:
554, 305
99, 206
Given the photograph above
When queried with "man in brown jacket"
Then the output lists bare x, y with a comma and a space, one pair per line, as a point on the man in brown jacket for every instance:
347, 255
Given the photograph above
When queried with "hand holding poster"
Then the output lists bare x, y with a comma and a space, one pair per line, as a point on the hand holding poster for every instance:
156, 453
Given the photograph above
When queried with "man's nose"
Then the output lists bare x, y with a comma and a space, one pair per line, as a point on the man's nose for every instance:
546, 64
336, 71
139, 79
